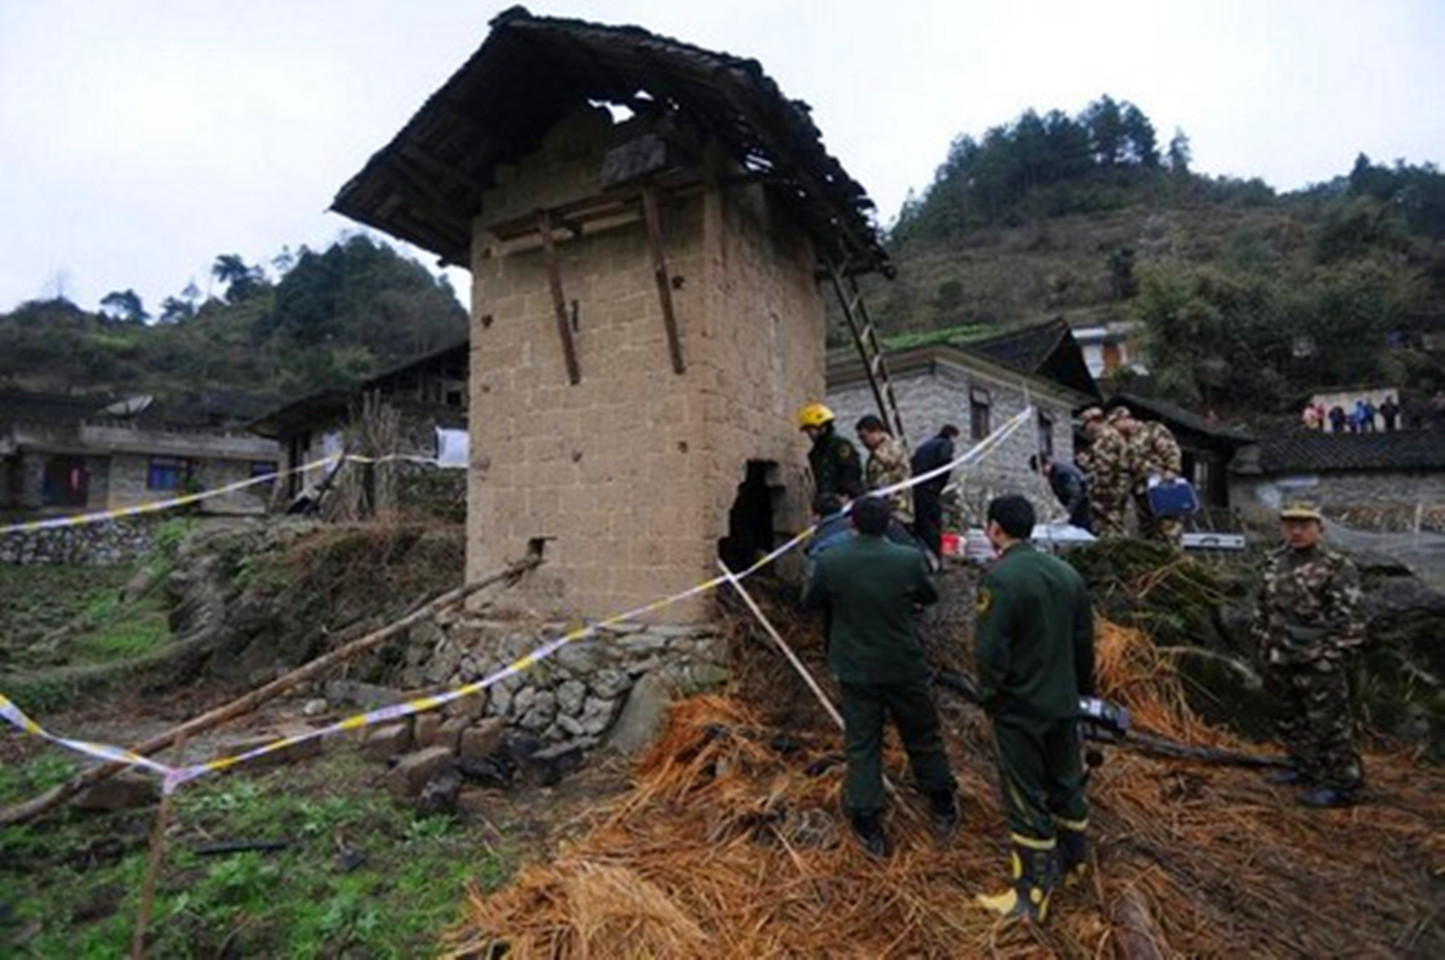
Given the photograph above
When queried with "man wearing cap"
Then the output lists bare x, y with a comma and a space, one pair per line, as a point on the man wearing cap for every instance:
1153, 452
1108, 463
1309, 631
837, 471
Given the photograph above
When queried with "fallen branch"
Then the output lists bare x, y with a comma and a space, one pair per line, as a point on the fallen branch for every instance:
53, 797
1137, 935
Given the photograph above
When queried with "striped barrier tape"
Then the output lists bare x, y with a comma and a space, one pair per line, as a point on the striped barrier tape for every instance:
17, 717
175, 777
173, 502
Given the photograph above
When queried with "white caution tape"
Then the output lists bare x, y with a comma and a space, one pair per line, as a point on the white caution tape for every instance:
174, 777
158, 506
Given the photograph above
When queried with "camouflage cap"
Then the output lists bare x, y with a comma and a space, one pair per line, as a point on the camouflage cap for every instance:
1301, 509
1120, 412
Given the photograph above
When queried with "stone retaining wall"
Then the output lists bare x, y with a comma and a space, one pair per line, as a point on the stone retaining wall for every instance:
89, 545
579, 691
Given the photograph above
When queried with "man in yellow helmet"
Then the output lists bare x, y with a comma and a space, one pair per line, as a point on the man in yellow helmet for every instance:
833, 459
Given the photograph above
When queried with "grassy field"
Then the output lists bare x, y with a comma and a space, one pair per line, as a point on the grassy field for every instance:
359, 876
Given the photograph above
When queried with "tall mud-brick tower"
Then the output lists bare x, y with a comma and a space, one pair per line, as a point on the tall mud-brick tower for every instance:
647, 224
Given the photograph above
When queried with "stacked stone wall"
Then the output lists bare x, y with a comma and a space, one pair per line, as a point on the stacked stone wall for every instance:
91, 545
1365, 500
580, 690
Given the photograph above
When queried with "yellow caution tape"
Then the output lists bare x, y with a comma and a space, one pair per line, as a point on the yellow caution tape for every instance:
157, 506
174, 777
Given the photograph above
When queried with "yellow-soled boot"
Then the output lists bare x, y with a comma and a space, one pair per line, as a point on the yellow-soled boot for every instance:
1033, 882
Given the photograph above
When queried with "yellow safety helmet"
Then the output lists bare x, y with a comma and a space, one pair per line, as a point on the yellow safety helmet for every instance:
813, 415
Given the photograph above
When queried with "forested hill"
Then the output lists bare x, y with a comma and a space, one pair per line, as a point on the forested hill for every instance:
1248, 299
316, 320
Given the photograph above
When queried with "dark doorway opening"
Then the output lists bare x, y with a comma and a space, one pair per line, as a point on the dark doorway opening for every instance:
67, 483
751, 533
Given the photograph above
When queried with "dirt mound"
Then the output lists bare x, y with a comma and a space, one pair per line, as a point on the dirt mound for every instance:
291, 593
732, 843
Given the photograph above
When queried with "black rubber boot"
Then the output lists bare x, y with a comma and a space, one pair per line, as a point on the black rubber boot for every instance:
1324, 798
1073, 850
1285, 777
869, 831
945, 813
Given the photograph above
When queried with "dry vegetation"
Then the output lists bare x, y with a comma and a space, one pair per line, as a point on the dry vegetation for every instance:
731, 843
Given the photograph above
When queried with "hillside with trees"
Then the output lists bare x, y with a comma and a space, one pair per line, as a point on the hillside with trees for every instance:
1248, 298
315, 320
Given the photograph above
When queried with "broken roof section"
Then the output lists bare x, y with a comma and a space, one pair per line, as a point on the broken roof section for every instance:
426, 185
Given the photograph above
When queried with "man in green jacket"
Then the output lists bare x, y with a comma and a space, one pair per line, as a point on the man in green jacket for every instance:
1035, 658
871, 586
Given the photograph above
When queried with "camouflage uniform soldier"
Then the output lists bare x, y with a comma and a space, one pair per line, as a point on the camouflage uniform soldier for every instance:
887, 465
1308, 629
1109, 461
1153, 453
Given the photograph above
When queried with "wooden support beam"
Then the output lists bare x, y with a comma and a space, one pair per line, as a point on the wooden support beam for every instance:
661, 275
559, 302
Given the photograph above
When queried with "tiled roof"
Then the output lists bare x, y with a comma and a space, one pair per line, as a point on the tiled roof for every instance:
331, 404
205, 409
531, 72
1024, 349
50, 407
1337, 452
1046, 350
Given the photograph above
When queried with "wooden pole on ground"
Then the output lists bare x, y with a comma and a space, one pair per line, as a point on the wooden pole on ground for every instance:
153, 868
34, 807
782, 645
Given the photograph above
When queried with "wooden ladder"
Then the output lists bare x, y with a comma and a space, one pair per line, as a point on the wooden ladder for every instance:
870, 350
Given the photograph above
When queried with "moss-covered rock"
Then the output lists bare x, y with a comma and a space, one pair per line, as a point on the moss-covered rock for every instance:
1202, 609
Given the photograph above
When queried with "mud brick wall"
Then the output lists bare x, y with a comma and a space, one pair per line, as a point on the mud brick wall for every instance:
632, 471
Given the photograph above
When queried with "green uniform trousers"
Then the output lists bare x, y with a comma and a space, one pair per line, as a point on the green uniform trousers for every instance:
865, 708
1041, 775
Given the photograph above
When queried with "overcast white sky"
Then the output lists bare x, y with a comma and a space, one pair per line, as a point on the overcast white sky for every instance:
139, 139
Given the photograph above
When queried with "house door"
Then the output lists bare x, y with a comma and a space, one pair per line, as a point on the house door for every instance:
67, 482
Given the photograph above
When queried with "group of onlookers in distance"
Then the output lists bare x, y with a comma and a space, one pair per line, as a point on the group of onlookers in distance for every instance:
1363, 417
